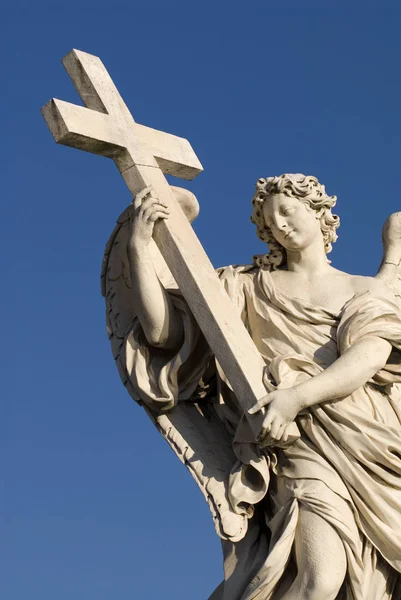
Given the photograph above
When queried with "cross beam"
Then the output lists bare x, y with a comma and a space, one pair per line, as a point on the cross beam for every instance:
142, 155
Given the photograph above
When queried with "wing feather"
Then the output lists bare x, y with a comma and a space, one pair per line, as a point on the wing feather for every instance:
390, 268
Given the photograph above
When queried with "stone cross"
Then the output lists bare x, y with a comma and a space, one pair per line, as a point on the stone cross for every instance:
143, 155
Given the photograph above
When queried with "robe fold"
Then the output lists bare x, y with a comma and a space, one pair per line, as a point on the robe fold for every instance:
345, 467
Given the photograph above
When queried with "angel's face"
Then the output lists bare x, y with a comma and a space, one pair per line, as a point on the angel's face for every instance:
293, 224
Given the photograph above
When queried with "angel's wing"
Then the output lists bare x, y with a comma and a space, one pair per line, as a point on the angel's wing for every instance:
192, 429
390, 268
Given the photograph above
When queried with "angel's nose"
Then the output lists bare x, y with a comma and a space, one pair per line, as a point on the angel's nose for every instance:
280, 223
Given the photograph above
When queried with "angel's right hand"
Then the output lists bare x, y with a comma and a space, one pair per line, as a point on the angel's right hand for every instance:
148, 208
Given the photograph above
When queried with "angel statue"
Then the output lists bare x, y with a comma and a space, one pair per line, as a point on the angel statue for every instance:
310, 516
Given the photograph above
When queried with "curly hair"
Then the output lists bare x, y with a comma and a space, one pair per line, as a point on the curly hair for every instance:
307, 190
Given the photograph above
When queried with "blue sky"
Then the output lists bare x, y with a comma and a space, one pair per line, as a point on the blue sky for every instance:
96, 505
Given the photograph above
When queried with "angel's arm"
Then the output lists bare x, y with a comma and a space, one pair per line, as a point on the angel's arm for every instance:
369, 355
353, 369
161, 324
348, 373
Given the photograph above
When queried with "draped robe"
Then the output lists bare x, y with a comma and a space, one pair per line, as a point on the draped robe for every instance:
346, 465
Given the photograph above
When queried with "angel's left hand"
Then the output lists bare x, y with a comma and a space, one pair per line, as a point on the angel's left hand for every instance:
282, 408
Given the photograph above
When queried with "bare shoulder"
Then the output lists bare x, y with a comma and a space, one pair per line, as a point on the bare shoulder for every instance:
363, 284
359, 284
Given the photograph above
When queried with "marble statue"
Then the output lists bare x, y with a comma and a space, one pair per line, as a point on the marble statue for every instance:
275, 383
311, 517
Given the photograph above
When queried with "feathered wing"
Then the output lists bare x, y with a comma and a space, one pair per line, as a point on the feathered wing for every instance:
390, 268
192, 429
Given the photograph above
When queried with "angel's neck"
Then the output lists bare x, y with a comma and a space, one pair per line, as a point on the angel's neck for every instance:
308, 261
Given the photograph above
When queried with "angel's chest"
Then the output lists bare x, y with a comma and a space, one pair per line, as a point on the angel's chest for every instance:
327, 299
328, 295
285, 334
282, 325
